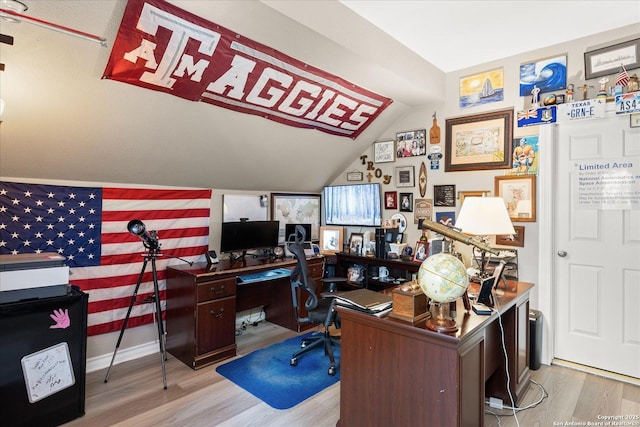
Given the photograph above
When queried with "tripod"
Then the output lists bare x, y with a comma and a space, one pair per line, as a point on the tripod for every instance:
151, 255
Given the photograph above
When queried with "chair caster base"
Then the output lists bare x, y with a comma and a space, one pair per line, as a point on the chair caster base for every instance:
332, 371
293, 362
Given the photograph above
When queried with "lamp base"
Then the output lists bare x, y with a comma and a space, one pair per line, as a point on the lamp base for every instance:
440, 320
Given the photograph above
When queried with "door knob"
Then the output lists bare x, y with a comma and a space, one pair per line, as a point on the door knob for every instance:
562, 254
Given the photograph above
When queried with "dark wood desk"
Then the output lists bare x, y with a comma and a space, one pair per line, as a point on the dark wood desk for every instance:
202, 301
396, 373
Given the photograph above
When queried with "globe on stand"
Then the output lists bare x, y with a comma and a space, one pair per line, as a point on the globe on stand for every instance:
443, 278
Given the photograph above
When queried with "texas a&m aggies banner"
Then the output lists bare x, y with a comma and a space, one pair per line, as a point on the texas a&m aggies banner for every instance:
164, 48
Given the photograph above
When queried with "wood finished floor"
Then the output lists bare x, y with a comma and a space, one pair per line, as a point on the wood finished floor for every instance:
134, 396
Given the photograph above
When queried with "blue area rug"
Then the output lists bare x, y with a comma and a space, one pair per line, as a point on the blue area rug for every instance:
267, 374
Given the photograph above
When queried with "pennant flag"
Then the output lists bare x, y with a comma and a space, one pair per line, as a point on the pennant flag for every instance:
88, 225
623, 77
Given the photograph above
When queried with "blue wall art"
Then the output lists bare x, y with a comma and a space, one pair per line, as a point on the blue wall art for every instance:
548, 75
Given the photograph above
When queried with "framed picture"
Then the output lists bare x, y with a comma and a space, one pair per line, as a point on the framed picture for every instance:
391, 200
607, 60
405, 176
406, 202
519, 194
545, 75
482, 88
634, 120
516, 239
356, 241
354, 176
525, 155
384, 152
293, 208
444, 195
424, 209
411, 143
330, 240
421, 251
446, 218
463, 194
482, 141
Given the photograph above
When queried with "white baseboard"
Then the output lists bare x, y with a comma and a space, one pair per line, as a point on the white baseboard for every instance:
124, 355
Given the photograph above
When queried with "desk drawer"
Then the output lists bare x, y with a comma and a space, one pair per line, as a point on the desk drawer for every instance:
216, 289
316, 270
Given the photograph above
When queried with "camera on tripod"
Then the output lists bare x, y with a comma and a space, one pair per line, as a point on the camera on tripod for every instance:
149, 238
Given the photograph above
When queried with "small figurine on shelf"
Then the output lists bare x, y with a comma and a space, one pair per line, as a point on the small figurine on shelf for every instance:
535, 97
570, 93
585, 89
602, 93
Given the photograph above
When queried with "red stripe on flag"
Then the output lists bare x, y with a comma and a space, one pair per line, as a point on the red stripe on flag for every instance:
181, 224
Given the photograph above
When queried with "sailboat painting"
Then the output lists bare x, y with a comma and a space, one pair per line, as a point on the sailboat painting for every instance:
482, 88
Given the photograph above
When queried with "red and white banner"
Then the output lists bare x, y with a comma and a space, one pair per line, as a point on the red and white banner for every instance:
164, 48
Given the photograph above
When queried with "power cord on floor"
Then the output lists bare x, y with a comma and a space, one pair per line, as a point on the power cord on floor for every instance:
543, 396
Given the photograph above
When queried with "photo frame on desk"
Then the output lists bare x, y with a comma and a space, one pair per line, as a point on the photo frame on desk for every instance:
330, 240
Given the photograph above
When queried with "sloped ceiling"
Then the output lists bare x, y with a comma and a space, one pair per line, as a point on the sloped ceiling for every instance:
62, 121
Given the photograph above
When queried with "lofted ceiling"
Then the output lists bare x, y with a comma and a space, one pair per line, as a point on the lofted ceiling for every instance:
62, 121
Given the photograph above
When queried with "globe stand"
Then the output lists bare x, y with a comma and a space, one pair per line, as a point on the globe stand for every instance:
440, 320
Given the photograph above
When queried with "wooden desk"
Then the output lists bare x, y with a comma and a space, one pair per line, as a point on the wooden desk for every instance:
396, 373
202, 301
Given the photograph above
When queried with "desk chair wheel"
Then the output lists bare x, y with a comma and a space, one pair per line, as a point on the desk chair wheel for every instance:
332, 371
294, 362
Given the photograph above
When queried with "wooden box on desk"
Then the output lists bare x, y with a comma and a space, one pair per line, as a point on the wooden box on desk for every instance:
409, 303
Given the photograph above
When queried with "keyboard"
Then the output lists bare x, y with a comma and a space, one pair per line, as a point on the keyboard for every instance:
264, 275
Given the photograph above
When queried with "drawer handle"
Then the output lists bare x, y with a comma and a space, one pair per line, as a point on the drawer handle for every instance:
218, 315
221, 290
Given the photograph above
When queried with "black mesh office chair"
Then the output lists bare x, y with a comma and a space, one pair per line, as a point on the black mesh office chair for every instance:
319, 310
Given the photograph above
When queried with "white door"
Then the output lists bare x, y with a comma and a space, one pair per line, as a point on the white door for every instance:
597, 239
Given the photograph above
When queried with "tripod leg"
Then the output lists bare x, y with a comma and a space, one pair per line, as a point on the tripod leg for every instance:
126, 319
161, 333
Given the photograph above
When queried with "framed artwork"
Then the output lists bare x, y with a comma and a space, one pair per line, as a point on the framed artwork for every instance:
384, 152
406, 202
634, 120
607, 60
546, 75
405, 176
411, 143
356, 241
391, 200
330, 240
482, 88
463, 194
354, 176
519, 195
446, 218
293, 208
525, 155
516, 239
481, 141
444, 195
421, 251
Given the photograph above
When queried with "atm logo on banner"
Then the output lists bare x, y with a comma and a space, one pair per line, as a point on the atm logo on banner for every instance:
164, 48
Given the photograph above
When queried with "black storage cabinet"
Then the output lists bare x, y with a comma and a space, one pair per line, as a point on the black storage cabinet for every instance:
24, 330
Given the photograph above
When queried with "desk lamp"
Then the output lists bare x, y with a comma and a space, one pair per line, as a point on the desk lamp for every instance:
484, 217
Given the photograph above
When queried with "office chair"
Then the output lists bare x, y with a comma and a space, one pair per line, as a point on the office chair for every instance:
319, 310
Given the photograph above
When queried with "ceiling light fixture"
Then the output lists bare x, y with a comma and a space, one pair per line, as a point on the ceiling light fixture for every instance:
12, 11
15, 6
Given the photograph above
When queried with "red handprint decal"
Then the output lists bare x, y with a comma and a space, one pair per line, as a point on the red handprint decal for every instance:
61, 318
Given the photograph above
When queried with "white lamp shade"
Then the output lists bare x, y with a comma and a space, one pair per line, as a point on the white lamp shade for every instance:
484, 216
